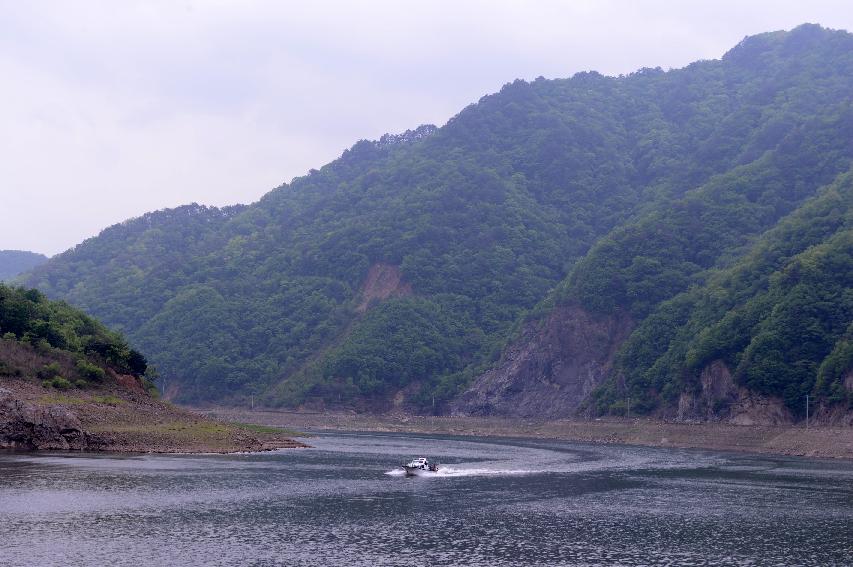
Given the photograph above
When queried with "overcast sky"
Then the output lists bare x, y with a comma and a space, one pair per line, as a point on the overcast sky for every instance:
111, 109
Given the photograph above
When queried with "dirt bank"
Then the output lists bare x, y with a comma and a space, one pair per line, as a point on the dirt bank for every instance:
782, 440
116, 417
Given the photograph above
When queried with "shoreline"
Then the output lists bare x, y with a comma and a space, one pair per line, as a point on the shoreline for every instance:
812, 442
122, 419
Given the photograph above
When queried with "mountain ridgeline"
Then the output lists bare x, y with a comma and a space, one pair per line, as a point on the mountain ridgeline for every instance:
679, 239
16, 262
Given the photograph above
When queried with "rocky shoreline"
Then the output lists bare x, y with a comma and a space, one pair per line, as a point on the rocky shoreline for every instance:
794, 440
119, 419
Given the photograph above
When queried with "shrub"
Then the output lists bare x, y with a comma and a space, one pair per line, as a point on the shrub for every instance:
48, 371
6, 370
151, 388
89, 371
57, 382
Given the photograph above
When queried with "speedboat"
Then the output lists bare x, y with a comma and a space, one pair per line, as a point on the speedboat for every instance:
420, 467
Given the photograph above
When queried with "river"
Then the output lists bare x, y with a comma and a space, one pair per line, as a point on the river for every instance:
494, 502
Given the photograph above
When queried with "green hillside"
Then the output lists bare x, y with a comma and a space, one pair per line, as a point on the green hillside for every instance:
778, 318
620, 193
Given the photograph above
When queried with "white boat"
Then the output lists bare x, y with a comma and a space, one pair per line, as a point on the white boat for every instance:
420, 467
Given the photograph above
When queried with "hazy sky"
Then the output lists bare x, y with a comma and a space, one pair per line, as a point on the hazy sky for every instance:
111, 109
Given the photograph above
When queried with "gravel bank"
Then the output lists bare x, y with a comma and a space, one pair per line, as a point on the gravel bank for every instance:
824, 442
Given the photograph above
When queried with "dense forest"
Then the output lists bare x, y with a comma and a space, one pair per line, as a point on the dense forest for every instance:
16, 262
779, 317
711, 203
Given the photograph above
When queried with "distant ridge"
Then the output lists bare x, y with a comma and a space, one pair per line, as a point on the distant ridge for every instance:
15, 262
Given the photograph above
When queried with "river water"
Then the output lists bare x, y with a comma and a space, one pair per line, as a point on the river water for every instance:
495, 502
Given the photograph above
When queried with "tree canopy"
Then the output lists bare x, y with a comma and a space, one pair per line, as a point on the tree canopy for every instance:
27, 316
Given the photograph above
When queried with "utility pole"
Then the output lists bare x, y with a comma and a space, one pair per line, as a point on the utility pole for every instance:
807, 411
253, 402
628, 410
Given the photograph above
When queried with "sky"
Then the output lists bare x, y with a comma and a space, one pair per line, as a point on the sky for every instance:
113, 109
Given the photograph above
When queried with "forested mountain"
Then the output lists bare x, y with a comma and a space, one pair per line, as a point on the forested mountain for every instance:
561, 245
774, 318
15, 262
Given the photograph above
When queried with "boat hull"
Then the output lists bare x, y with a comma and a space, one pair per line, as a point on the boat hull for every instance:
417, 471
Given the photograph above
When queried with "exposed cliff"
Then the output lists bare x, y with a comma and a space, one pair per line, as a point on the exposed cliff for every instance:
721, 399
551, 369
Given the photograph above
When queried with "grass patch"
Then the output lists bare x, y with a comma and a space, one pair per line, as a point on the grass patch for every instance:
178, 429
61, 399
183, 436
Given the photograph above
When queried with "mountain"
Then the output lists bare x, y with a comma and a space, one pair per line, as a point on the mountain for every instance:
556, 247
746, 342
16, 262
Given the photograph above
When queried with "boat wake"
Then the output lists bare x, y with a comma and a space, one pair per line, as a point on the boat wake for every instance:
451, 472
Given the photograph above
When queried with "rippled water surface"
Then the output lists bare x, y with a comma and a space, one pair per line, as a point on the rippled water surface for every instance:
496, 502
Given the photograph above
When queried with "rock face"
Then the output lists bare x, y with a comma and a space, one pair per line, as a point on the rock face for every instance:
721, 399
25, 426
549, 370
754, 409
382, 281
718, 393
